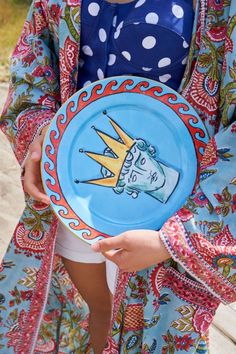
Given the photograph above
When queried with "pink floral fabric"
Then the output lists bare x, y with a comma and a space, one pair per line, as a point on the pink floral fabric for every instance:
164, 309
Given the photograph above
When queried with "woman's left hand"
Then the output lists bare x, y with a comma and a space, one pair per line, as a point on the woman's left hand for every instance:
133, 250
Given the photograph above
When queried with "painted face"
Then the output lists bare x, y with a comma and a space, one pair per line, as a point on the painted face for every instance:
145, 173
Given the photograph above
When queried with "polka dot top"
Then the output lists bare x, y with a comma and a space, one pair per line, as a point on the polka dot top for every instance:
148, 38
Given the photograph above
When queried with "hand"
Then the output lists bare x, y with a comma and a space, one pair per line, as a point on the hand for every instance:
133, 250
32, 177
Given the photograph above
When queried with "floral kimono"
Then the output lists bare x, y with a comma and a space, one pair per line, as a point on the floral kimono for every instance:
164, 309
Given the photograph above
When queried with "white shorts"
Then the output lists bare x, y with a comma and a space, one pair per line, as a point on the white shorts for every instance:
71, 247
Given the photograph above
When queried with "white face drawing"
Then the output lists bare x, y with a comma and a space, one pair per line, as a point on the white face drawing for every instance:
145, 173
142, 172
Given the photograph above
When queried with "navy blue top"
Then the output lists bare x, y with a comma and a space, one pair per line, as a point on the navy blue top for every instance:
148, 38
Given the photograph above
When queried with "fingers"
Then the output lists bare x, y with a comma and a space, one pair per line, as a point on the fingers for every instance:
111, 243
34, 190
112, 255
32, 178
119, 257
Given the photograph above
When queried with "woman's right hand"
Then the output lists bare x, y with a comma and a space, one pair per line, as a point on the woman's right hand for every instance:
32, 177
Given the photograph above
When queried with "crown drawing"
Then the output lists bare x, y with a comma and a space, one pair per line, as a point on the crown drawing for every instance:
120, 149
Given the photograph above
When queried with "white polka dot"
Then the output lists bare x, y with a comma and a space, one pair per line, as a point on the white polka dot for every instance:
139, 3
185, 44
112, 59
146, 69
164, 78
120, 26
81, 62
126, 55
102, 35
116, 34
184, 61
152, 18
87, 83
114, 22
177, 11
136, 23
87, 50
164, 62
93, 9
149, 42
100, 74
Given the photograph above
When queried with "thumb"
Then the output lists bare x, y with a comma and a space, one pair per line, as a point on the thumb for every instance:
111, 243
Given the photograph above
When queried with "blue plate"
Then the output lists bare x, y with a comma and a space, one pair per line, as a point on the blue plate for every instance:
121, 154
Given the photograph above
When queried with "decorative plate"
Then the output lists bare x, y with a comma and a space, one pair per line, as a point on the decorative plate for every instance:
121, 154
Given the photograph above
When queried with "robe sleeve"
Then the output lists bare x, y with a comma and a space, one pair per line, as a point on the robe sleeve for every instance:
33, 97
202, 235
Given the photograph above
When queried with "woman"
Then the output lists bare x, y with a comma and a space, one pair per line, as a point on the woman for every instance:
40, 305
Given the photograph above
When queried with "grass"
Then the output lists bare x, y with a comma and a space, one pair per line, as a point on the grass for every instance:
12, 17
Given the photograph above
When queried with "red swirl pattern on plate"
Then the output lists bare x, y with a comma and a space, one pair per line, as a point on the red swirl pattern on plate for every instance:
85, 99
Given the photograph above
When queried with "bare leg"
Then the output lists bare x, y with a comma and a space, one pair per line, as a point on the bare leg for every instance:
90, 280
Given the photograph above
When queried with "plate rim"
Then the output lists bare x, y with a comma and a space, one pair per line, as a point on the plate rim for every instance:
119, 81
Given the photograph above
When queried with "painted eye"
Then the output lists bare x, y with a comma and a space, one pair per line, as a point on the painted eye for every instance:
143, 161
134, 178
105, 172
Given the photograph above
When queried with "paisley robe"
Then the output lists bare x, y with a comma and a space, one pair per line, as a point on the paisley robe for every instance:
167, 308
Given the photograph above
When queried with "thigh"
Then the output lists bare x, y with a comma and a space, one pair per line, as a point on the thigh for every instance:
86, 268
90, 280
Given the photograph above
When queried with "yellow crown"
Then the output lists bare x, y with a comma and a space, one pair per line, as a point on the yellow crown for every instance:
113, 164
